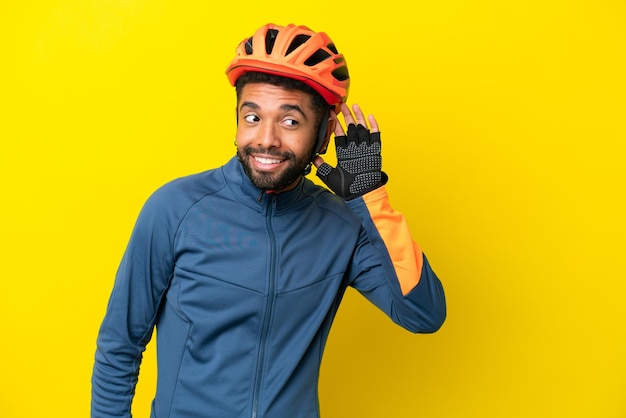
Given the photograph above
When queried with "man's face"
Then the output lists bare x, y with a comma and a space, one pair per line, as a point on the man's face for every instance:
276, 132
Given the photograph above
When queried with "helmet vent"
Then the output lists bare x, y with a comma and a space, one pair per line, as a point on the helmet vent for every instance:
270, 38
248, 46
341, 73
297, 41
317, 57
332, 48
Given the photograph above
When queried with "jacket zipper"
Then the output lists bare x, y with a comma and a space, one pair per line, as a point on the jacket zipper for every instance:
269, 307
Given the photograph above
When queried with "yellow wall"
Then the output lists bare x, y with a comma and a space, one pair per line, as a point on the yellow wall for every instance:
503, 127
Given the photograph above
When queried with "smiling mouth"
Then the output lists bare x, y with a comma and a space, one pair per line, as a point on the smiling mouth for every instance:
267, 163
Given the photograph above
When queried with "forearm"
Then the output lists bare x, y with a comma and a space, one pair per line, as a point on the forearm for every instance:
121, 342
393, 229
414, 297
113, 381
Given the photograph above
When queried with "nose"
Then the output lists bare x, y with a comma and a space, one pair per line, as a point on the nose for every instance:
268, 136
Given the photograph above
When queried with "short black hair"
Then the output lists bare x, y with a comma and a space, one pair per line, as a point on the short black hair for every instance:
320, 106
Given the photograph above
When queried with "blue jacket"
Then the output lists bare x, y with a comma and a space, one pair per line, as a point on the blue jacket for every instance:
243, 287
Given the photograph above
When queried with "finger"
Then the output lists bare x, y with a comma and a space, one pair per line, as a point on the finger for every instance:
341, 141
347, 114
358, 114
362, 134
373, 123
338, 131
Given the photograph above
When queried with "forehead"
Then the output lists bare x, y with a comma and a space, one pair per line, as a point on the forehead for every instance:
270, 96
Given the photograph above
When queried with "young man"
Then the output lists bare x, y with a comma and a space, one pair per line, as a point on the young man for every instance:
242, 268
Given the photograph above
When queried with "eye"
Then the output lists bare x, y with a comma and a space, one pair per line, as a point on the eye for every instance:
291, 122
251, 118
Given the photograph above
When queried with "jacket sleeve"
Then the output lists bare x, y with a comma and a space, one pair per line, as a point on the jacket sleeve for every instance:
140, 283
408, 290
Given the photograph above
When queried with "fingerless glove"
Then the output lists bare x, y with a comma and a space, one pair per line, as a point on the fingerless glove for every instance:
359, 164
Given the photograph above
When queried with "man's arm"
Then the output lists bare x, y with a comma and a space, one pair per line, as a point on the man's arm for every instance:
412, 294
140, 284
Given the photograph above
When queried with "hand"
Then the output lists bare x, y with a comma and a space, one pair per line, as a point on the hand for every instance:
359, 163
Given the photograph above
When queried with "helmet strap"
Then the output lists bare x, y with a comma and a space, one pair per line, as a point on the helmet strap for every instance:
319, 142
321, 135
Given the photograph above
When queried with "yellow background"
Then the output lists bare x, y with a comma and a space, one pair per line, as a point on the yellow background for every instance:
503, 135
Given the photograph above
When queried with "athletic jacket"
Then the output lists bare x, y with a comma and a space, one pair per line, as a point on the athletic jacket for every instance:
242, 287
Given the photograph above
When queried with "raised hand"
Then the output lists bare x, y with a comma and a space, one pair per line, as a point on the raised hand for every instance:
359, 161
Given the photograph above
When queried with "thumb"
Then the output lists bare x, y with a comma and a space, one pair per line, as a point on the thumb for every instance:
323, 171
317, 161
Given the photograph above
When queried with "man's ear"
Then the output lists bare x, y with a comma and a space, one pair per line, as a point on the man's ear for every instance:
330, 128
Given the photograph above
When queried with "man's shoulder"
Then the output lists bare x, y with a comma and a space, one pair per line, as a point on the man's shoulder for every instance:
202, 181
322, 196
328, 202
184, 191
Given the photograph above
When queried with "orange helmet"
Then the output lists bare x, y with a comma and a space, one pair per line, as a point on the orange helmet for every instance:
294, 52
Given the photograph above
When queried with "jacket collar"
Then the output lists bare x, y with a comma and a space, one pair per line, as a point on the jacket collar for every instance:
242, 187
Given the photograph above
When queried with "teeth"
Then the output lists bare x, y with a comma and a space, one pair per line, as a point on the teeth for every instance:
266, 160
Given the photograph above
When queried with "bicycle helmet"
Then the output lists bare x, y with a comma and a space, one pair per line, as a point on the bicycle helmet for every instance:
294, 52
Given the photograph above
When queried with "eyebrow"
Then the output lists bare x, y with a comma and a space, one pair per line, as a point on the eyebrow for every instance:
285, 107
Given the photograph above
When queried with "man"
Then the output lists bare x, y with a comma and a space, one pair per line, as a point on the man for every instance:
242, 268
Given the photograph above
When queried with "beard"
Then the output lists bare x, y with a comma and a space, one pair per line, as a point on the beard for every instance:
295, 168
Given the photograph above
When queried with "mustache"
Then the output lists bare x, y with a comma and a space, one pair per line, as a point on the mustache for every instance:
247, 150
